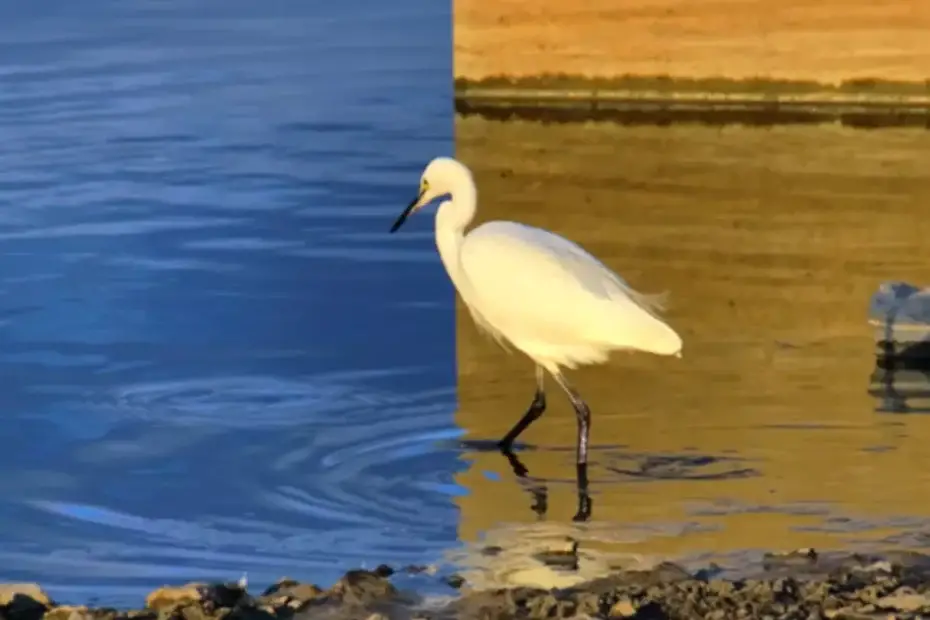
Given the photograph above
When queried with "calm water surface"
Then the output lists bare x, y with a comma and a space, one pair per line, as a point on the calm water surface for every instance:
214, 360
764, 435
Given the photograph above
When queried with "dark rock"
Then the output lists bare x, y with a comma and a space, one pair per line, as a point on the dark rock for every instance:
706, 574
282, 583
799, 557
652, 610
383, 570
222, 596
253, 613
23, 601
288, 589
455, 581
361, 587
563, 556
9, 591
194, 601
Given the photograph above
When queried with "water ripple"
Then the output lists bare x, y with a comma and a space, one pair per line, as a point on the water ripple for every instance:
355, 465
235, 402
126, 227
194, 211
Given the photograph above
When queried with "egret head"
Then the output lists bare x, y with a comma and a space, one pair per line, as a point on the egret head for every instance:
442, 176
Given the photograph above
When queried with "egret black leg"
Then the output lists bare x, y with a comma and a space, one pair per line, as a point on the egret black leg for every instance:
537, 407
583, 414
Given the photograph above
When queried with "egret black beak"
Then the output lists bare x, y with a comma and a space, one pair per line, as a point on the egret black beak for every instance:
410, 209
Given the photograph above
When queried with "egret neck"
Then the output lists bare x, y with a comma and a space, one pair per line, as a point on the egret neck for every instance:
452, 217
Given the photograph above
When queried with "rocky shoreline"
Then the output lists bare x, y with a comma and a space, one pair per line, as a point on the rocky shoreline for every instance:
798, 585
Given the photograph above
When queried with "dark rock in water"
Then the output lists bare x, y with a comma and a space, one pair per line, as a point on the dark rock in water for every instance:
708, 573
281, 585
455, 581
491, 551
9, 591
384, 570
293, 589
209, 597
421, 569
222, 596
289, 596
23, 601
360, 587
799, 557
564, 556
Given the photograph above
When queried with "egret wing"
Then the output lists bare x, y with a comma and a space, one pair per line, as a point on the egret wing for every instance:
535, 250
527, 278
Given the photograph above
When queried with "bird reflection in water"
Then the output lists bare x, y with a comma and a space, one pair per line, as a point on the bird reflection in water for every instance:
535, 487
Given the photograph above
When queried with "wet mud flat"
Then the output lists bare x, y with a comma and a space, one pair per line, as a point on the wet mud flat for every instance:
801, 584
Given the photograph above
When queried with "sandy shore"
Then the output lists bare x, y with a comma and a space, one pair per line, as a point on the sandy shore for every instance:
721, 61
801, 584
826, 41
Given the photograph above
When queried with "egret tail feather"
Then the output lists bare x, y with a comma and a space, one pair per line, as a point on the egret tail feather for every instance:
654, 302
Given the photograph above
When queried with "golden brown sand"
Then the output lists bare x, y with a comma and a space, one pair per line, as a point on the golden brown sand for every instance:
826, 40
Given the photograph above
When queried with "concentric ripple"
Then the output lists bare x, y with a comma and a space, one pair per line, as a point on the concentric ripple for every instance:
303, 478
251, 402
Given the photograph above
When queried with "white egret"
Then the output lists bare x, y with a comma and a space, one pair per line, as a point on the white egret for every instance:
542, 294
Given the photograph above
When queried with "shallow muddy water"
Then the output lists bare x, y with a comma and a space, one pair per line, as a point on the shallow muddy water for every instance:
770, 242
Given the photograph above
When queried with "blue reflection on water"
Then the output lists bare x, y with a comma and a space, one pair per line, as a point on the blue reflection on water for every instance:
214, 359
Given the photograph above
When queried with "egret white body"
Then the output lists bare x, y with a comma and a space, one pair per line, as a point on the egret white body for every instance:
554, 301
539, 292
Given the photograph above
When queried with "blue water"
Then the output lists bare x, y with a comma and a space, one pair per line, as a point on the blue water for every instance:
214, 359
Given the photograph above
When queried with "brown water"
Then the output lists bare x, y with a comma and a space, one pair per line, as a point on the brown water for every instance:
770, 241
